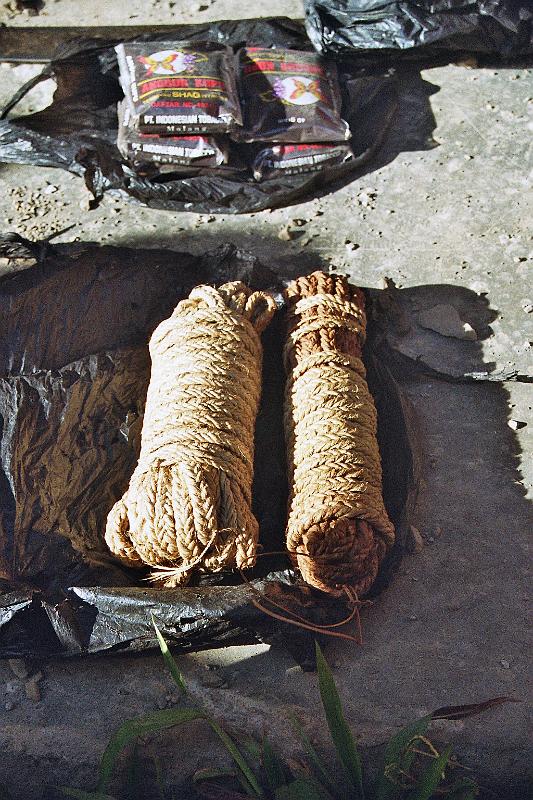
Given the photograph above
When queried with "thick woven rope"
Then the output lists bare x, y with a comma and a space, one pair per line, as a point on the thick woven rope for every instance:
188, 504
338, 530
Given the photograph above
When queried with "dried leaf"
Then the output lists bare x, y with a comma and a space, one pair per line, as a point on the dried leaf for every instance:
461, 712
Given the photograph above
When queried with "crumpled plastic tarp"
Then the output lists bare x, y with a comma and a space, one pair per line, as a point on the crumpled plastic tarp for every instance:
78, 131
421, 28
74, 368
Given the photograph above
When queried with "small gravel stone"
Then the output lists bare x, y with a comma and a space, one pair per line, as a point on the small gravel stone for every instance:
415, 541
32, 690
351, 245
367, 198
286, 234
516, 424
293, 670
212, 680
18, 667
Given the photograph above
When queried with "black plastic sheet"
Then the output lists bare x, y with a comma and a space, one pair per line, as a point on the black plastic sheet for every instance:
74, 369
421, 28
78, 130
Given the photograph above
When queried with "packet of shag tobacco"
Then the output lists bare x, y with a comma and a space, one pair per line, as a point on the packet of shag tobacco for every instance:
166, 153
289, 96
294, 159
180, 87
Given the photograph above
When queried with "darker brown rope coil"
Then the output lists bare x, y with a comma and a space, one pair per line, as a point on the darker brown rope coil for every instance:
338, 530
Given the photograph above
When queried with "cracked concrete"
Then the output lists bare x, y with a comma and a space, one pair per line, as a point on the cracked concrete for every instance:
447, 208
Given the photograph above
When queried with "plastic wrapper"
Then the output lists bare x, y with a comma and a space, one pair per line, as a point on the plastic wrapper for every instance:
178, 87
78, 131
295, 159
167, 153
421, 28
289, 96
74, 370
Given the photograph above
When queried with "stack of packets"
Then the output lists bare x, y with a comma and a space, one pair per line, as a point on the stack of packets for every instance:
188, 104
291, 100
180, 104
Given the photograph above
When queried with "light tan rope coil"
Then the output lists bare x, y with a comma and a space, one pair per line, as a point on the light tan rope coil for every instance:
188, 505
338, 530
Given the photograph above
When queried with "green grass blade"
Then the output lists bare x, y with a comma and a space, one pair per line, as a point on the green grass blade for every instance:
169, 660
159, 777
212, 774
399, 757
133, 777
248, 780
300, 789
325, 777
431, 778
131, 729
273, 765
79, 794
251, 748
338, 727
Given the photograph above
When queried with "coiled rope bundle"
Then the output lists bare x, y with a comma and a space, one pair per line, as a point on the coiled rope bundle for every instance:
338, 530
188, 504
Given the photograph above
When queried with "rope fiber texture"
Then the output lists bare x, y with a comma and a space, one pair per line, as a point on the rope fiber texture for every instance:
338, 530
188, 504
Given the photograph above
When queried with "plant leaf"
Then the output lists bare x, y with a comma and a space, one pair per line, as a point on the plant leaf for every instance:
300, 789
431, 778
273, 765
398, 754
159, 777
133, 781
212, 774
461, 712
325, 777
169, 660
251, 748
131, 729
245, 774
79, 794
215, 791
338, 727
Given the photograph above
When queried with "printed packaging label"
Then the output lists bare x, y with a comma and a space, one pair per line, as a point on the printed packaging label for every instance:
166, 152
295, 159
180, 87
289, 96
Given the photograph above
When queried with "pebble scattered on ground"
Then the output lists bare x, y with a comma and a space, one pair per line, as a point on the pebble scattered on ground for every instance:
39, 212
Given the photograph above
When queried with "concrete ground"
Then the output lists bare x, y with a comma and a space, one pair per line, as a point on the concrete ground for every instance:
446, 213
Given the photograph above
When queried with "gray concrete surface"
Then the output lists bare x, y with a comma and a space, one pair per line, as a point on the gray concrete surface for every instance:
448, 207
